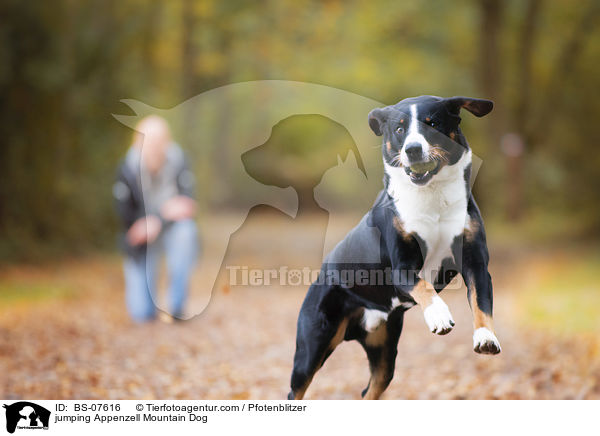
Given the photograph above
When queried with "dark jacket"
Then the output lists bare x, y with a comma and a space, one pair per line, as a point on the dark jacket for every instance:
137, 194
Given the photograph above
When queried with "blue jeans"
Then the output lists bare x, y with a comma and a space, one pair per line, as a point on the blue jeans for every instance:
179, 241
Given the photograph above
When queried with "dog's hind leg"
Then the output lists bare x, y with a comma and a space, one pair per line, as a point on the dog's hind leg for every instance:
381, 347
314, 344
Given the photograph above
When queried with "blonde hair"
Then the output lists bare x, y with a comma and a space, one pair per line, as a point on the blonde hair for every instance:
150, 125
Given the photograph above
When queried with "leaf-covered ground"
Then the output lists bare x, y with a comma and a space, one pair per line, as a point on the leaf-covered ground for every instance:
74, 340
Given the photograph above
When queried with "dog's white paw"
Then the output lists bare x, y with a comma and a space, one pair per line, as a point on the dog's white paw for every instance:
485, 342
438, 316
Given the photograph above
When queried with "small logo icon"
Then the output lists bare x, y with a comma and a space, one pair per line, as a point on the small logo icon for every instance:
26, 415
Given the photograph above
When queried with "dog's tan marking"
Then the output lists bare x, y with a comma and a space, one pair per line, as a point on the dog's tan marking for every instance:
423, 294
452, 135
335, 341
480, 318
388, 145
378, 382
300, 393
428, 119
438, 153
471, 230
378, 336
339, 335
400, 229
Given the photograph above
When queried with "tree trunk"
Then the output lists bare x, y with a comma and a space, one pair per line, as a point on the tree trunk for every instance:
490, 74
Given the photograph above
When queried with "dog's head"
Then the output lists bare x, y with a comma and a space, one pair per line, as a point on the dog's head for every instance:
421, 135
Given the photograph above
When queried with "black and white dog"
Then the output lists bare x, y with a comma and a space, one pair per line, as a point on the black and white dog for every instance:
423, 230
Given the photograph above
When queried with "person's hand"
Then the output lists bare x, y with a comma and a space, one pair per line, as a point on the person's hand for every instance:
178, 208
144, 230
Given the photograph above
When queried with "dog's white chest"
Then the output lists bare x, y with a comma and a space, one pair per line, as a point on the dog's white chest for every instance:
437, 212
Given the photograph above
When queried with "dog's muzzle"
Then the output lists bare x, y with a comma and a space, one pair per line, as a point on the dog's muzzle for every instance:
421, 172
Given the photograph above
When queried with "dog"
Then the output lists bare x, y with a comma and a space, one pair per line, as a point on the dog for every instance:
423, 229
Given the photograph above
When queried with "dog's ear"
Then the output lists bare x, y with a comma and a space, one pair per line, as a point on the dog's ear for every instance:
377, 117
477, 106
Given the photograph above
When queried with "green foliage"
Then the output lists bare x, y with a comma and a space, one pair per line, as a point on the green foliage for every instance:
30, 292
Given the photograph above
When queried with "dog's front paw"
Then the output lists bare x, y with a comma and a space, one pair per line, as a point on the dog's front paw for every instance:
438, 316
485, 342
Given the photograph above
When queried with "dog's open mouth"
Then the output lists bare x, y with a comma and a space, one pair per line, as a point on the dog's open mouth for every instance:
421, 172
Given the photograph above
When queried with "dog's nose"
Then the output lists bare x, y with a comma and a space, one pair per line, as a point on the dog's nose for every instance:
414, 151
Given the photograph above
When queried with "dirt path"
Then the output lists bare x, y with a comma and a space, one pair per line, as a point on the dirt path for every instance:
242, 346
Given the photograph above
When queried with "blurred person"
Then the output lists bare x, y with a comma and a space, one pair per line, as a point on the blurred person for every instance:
154, 198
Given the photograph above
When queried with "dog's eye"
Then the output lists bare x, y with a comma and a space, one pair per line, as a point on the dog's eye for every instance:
430, 123
400, 130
